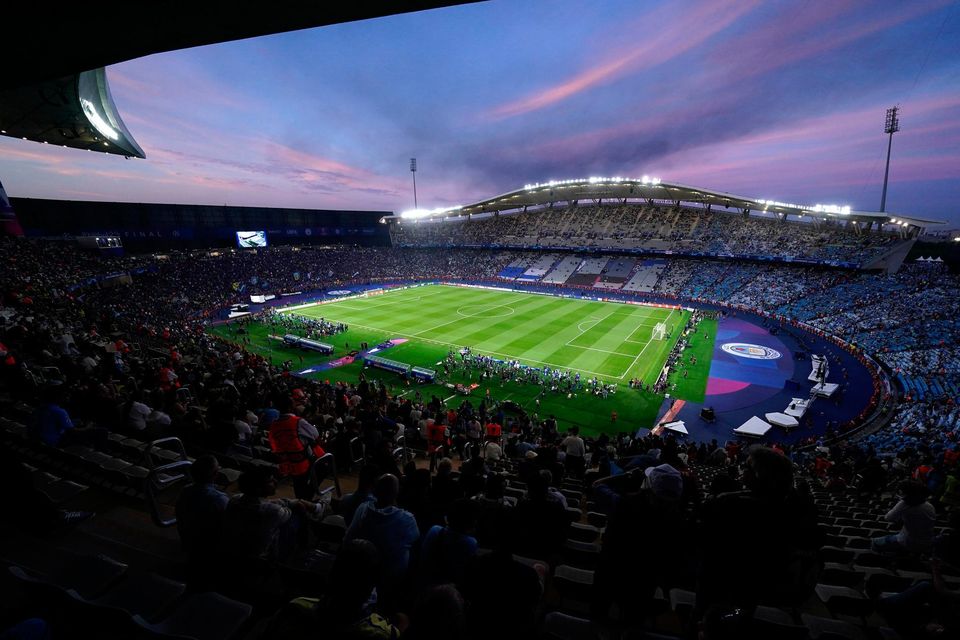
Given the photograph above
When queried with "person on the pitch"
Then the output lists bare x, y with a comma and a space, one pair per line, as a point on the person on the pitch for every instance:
294, 441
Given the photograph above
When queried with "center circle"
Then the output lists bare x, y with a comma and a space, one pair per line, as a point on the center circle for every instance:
485, 311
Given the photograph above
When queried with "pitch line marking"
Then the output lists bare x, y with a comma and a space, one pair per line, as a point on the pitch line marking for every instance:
443, 324
478, 315
632, 364
485, 351
593, 319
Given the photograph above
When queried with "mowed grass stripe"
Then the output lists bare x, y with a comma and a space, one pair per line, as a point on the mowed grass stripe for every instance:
536, 332
419, 315
558, 327
410, 315
520, 328
478, 318
608, 351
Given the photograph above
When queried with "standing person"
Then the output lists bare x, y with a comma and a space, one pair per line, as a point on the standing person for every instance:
785, 536
576, 452
294, 441
391, 529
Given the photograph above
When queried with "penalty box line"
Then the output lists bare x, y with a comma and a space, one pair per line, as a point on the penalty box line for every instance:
633, 364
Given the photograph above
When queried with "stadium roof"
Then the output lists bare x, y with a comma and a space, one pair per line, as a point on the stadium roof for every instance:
53, 88
654, 189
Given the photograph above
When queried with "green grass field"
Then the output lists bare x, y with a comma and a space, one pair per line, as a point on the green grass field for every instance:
609, 341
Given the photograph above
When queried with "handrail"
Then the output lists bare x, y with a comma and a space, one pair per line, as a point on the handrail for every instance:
328, 462
154, 483
151, 445
354, 459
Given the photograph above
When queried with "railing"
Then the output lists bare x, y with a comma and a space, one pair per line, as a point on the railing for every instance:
159, 479
323, 468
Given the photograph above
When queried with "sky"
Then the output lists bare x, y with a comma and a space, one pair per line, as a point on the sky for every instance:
767, 99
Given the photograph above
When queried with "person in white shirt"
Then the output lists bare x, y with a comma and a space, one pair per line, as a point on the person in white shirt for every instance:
918, 518
138, 414
575, 452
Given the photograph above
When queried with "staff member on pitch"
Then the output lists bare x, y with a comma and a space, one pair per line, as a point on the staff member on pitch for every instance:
294, 441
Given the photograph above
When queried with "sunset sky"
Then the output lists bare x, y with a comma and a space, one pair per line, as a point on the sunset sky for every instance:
775, 100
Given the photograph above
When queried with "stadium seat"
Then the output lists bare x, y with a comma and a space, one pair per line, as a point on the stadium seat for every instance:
205, 616
583, 532
584, 555
844, 601
575, 587
560, 626
820, 627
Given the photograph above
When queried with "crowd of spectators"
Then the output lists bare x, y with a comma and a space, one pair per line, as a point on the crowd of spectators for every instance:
650, 227
129, 355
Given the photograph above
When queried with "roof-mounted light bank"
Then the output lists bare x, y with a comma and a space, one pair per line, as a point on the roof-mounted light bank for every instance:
817, 208
97, 120
592, 180
423, 213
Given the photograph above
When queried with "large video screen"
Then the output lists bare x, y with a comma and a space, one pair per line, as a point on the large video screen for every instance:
251, 239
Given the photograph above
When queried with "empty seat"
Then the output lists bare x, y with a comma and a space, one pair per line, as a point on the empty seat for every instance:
147, 595
841, 577
831, 554
88, 576
583, 532
575, 587
844, 601
819, 626
597, 519
560, 626
584, 555
205, 616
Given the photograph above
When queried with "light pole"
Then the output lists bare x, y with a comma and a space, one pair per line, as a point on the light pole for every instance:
891, 126
413, 170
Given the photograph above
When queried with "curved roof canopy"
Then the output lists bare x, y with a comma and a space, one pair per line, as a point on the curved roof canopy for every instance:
48, 93
653, 189
76, 111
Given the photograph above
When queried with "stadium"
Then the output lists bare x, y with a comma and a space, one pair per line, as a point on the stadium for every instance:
597, 407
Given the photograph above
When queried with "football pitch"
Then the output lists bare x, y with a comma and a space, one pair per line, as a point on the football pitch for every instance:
612, 342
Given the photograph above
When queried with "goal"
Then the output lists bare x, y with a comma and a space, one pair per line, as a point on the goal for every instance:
660, 331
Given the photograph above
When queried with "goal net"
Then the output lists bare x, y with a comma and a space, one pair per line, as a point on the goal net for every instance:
660, 331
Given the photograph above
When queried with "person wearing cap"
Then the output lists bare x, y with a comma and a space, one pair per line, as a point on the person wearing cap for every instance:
645, 543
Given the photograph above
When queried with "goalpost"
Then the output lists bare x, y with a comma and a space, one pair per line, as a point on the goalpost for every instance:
660, 331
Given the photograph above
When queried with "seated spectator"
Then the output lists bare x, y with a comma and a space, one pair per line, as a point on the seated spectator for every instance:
446, 550
346, 610
917, 517
51, 424
258, 528
439, 614
200, 509
137, 414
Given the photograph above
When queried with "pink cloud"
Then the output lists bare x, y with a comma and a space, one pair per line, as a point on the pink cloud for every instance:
802, 33
670, 38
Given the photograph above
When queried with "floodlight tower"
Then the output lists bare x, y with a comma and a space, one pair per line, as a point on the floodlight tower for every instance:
413, 170
892, 125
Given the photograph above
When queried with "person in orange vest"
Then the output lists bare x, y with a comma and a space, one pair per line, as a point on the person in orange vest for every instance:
493, 431
293, 441
437, 437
